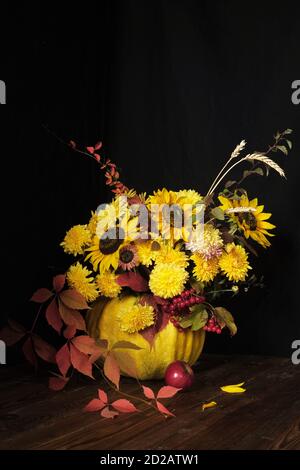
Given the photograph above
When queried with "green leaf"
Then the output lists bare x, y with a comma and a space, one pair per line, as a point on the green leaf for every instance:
200, 320
289, 143
257, 171
197, 319
229, 183
218, 213
224, 317
282, 149
287, 131
197, 285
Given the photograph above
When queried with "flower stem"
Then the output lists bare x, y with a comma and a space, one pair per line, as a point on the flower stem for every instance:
36, 318
132, 397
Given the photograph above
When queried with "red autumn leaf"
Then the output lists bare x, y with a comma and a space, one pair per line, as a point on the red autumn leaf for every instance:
148, 392
80, 361
72, 299
53, 316
63, 359
10, 336
29, 353
162, 317
16, 326
70, 332
107, 413
124, 406
167, 392
111, 369
163, 409
59, 282
126, 362
97, 157
41, 295
88, 345
98, 145
72, 144
135, 281
72, 317
90, 149
102, 396
58, 383
94, 405
43, 349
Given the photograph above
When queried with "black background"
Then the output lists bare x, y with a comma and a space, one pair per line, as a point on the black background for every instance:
170, 87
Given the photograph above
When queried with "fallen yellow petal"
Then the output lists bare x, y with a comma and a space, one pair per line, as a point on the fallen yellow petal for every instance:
211, 404
237, 388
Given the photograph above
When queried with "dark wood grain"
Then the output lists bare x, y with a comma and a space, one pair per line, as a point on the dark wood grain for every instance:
266, 416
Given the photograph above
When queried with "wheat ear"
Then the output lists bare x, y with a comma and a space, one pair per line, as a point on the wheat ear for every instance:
267, 161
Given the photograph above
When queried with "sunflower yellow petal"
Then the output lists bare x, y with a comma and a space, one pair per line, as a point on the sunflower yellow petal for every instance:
233, 388
253, 202
267, 225
211, 404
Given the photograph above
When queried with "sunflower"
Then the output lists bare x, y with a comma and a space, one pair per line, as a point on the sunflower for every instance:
167, 280
76, 240
104, 252
136, 318
205, 270
78, 279
107, 284
170, 213
108, 215
252, 221
234, 262
167, 254
128, 257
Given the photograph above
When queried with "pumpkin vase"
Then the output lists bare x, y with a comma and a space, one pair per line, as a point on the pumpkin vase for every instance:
150, 361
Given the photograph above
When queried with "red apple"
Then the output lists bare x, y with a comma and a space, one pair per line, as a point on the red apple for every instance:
179, 374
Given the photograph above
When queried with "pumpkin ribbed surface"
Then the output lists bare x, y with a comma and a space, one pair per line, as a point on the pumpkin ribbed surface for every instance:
151, 362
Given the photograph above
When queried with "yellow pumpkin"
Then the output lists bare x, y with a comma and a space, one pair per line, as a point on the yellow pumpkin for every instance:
150, 362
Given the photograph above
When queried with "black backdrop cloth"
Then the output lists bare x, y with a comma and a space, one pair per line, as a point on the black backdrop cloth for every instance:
170, 87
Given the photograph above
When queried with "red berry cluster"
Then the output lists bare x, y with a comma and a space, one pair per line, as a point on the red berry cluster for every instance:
213, 325
179, 306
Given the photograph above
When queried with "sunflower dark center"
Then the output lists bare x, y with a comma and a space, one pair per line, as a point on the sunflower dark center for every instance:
111, 241
249, 219
126, 256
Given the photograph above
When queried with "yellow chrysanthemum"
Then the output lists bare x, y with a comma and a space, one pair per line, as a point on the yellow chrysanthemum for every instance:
78, 279
136, 318
167, 254
167, 280
169, 211
253, 222
145, 253
108, 285
92, 225
189, 196
205, 270
234, 262
76, 240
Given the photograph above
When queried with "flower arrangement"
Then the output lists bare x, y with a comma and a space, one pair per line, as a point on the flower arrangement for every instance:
154, 263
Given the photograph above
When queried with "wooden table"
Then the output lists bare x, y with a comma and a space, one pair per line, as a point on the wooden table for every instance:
266, 416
